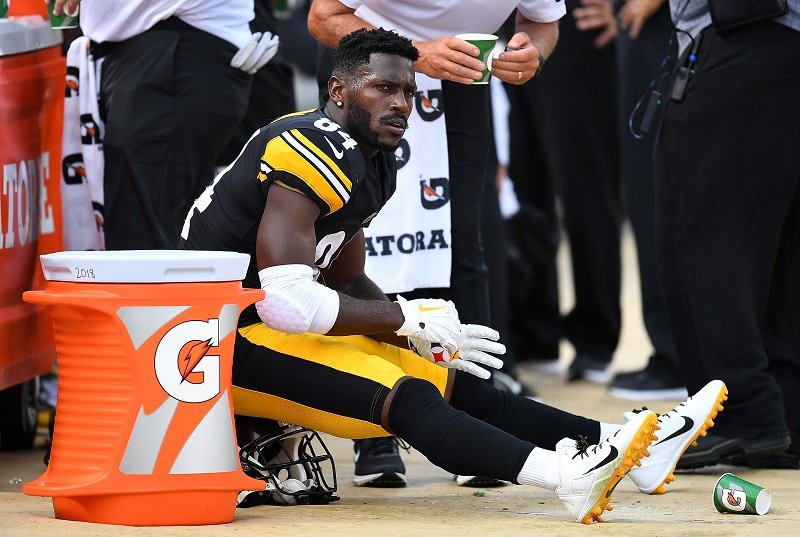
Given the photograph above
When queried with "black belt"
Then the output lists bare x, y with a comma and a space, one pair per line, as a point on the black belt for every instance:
99, 50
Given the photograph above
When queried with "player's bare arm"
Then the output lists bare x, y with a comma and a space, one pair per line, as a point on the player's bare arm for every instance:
286, 237
346, 275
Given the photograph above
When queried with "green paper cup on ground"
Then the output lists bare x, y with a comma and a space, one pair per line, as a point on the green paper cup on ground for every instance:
486, 44
733, 494
63, 21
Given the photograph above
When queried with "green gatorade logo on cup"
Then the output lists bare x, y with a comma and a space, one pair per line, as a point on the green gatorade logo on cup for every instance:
733, 494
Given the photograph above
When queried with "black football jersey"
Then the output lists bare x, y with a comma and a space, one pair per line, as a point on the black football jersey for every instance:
306, 152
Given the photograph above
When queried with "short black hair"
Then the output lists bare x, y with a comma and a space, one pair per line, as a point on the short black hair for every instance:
355, 48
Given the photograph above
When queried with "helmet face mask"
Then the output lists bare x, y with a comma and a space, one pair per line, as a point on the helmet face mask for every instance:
295, 463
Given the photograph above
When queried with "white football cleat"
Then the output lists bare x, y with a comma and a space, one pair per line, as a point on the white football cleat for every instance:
680, 428
589, 474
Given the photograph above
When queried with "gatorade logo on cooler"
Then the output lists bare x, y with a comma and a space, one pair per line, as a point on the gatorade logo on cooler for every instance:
184, 365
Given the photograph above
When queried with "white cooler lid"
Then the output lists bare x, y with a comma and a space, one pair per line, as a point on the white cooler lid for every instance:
144, 266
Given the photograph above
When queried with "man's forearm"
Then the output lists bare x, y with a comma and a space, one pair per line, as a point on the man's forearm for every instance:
330, 20
544, 35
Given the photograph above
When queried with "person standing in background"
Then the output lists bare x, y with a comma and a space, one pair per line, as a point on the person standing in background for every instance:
728, 225
167, 66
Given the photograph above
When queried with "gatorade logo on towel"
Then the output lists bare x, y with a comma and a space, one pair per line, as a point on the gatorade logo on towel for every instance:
428, 104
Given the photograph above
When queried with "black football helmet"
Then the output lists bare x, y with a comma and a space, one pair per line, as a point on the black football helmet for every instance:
295, 463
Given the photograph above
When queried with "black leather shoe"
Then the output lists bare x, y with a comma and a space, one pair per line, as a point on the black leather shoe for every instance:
659, 381
591, 368
712, 449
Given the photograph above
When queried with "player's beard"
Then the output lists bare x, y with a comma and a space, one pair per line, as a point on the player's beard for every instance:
358, 123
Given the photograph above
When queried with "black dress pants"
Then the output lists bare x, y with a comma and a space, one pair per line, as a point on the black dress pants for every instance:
469, 141
728, 226
639, 63
572, 108
170, 101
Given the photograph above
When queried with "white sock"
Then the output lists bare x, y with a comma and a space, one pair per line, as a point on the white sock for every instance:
540, 469
608, 429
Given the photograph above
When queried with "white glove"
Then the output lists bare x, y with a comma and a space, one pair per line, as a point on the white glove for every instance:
256, 53
432, 320
476, 341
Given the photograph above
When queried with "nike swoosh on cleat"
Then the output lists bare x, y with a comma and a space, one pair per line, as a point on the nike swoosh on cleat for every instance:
424, 308
688, 423
356, 455
610, 457
339, 154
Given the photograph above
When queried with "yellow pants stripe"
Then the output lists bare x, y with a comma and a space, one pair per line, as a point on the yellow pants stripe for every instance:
360, 358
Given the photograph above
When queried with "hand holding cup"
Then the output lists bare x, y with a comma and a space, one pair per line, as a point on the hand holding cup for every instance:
64, 14
487, 51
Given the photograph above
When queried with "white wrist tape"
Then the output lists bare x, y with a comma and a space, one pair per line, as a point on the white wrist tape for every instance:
295, 303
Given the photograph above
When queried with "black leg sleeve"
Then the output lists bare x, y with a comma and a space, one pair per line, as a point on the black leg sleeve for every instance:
451, 439
522, 417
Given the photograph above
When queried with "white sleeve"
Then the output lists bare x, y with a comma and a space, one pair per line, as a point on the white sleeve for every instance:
541, 10
352, 4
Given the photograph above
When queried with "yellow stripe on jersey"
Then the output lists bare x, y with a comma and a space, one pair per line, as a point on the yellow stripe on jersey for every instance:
284, 153
325, 158
294, 153
313, 154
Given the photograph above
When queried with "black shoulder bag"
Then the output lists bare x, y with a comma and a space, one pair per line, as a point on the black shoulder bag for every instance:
727, 15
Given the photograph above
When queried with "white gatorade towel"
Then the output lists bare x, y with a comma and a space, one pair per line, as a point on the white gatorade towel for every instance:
82, 152
408, 242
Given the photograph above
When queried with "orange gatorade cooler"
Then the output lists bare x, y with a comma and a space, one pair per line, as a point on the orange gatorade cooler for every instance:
144, 432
